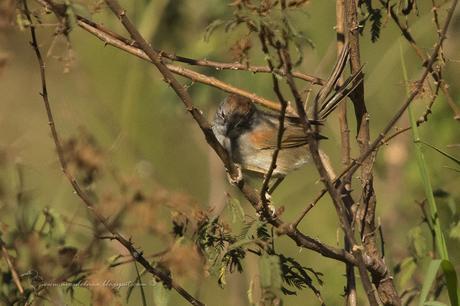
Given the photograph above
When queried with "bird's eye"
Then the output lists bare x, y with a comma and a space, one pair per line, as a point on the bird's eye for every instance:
222, 114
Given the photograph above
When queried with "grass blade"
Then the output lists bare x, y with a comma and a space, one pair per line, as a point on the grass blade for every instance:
457, 161
430, 276
449, 272
451, 281
141, 287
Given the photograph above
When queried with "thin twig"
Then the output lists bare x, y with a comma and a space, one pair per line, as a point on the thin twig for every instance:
14, 273
263, 36
137, 255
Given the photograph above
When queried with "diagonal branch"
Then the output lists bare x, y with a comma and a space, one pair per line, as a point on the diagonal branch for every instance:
264, 36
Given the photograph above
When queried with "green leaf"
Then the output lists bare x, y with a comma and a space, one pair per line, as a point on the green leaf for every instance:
430, 276
425, 177
161, 295
449, 275
454, 232
449, 271
270, 272
239, 244
457, 161
221, 280
417, 241
141, 287
451, 280
236, 210
408, 267
434, 303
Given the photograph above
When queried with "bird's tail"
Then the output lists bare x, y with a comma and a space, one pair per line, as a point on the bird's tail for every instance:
330, 96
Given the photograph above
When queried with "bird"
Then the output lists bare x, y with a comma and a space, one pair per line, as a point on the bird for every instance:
250, 134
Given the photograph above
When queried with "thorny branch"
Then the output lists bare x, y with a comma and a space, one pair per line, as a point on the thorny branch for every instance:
137, 255
356, 164
365, 214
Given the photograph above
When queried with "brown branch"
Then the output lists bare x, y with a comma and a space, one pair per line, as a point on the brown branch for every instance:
368, 203
137, 255
108, 38
14, 273
200, 62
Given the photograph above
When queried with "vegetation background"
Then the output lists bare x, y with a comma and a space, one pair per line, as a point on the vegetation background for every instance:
133, 145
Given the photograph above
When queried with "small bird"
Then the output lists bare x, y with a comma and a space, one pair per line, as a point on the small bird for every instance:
250, 135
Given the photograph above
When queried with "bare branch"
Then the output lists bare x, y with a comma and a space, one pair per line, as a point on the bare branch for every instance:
14, 273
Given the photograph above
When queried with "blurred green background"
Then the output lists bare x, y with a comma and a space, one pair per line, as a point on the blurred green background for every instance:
144, 131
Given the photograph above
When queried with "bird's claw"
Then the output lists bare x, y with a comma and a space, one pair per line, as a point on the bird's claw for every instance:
239, 176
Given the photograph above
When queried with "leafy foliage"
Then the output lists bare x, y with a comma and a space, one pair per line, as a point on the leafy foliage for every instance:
373, 15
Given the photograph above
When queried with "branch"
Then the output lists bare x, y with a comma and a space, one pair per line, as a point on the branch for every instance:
137, 255
14, 273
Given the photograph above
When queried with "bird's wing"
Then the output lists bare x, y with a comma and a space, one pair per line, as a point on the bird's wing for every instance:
293, 137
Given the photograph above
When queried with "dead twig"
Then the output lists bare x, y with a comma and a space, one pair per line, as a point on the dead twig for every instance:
14, 273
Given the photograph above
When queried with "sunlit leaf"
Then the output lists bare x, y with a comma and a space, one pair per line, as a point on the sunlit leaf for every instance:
407, 269
161, 295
